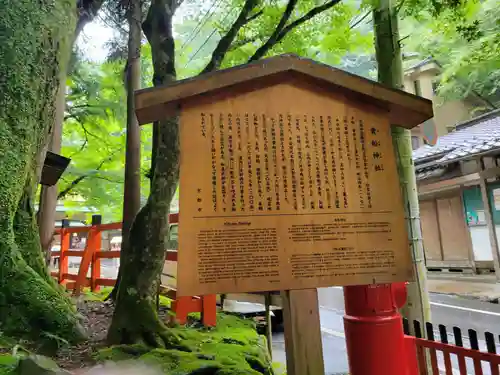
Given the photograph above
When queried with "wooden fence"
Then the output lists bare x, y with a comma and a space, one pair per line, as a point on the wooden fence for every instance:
436, 355
91, 260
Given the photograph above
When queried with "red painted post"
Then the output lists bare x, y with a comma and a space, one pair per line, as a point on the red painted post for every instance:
209, 310
63, 259
182, 306
374, 330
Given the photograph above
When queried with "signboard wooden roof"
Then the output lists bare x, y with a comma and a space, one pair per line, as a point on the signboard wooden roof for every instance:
288, 178
407, 110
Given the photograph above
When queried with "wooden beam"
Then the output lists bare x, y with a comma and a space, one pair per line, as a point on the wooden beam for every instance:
488, 213
452, 183
304, 350
490, 173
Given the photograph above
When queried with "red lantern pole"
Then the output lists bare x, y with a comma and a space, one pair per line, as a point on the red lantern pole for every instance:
374, 329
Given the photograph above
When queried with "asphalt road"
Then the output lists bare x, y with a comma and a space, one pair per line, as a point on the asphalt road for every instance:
448, 310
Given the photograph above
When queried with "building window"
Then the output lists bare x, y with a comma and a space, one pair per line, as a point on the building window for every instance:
415, 142
435, 86
417, 88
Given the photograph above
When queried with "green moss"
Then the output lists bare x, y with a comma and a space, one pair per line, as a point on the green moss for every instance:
233, 347
121, 352
32, 60
100, 295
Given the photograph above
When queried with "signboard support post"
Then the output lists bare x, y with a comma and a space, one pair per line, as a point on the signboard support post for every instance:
304, 350
374, 329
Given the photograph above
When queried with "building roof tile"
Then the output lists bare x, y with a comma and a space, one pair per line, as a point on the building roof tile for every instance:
477, 136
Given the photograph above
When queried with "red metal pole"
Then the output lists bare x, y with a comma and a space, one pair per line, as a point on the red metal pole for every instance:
374, 329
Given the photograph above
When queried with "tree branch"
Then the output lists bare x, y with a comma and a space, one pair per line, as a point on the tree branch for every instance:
178, 3
356, 23
273, 39
271, 42
63, 193
226, 41
87, 10
240, 43
157, 27
254, 16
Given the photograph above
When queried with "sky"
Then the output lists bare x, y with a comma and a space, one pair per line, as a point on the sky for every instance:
93, 39
95, 35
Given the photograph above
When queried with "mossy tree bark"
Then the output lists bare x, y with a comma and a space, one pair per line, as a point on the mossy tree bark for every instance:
135, 318
34, 48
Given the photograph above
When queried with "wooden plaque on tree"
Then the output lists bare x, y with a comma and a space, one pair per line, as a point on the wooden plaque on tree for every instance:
289, 182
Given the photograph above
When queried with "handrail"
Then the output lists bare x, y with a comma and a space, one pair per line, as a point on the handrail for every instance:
91, 260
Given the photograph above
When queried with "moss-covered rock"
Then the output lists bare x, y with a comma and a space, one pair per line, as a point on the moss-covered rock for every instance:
20, 364
233, 347
8, 364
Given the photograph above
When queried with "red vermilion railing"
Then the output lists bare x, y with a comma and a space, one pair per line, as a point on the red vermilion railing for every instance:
428, 353
91, 260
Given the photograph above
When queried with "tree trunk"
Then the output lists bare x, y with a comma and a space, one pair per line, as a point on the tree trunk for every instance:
132, 190
32, 58
132, 186
390, 73
49, 194
135, 318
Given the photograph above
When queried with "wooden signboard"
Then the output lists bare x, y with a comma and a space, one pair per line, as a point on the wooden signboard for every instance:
286, 187
287, 182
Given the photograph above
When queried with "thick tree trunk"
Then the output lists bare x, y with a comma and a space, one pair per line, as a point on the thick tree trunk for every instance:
135, 318
32, 58
390, 73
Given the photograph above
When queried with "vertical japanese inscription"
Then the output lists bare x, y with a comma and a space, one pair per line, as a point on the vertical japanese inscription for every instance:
346, 139
267, 152
341, 159
333, 160
214, 163
258, 163
292, 157
241, 172
376, 154
317, 161
250, 164
357, 158
300, 154
274, 160
326, 172
283, 159
310, 186
222, 161
362, 141
230, 148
